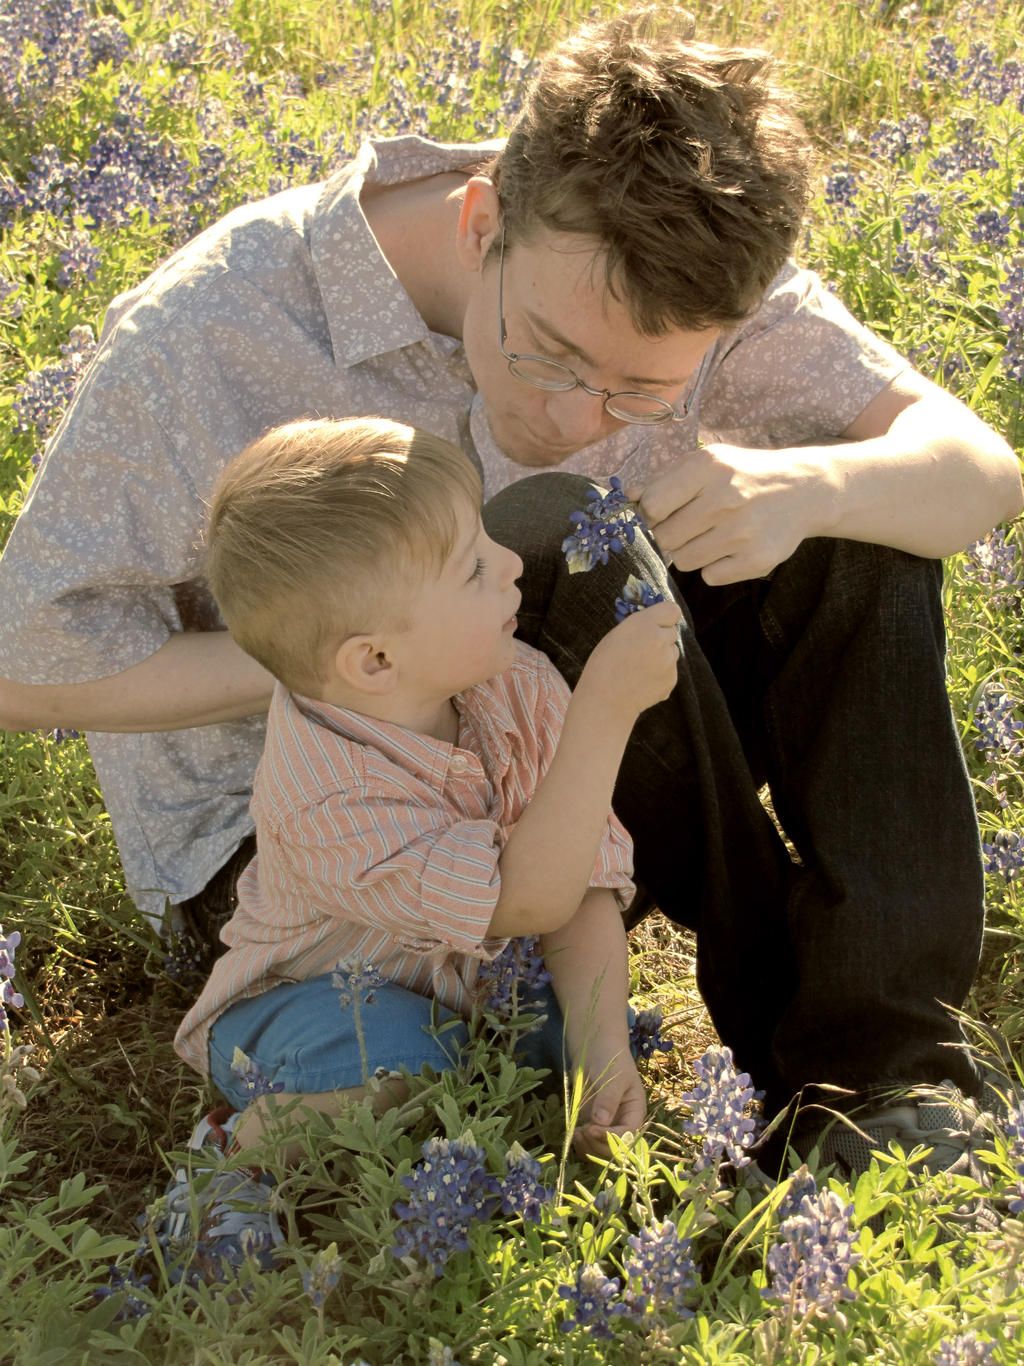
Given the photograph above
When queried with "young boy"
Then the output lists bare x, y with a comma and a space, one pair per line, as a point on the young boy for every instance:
428, 788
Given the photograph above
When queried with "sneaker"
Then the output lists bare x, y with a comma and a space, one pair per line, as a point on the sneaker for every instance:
939, 1119
217, 1218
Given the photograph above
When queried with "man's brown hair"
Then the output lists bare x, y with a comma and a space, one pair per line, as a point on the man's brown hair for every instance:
321, 530
684, 159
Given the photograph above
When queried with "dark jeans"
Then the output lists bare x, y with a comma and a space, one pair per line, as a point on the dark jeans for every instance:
827, 681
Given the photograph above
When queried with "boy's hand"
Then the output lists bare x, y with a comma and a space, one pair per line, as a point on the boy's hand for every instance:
616, 1103
635, 665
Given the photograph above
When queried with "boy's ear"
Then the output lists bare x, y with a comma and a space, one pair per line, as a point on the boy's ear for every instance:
479, 222
363, 663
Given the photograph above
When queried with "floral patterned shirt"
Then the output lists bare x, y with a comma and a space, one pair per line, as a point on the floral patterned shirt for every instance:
284, 309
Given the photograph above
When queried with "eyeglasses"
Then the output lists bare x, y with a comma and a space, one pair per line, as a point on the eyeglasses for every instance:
626, 405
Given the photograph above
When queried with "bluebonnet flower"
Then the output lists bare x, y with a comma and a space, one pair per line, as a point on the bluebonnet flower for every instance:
893, 141
1013, 1127
439, 1354
636, 595
1012, 318
519, 964
256, 1084
80, 259
941, 62
969, 151
811, 1263
59, 735
605, 526
991, 228
801, 1183
355, 980
999, 730
841, 189
663, 1268
184, 962
107, 41
450, 1189
1004, 855
8, 996
645, 1036
922, 213
594, 1300
967, 1349
992, 563
127, 1283
43, 394
718, 1110
982, 74
522, 1190
322, 1276
10, 298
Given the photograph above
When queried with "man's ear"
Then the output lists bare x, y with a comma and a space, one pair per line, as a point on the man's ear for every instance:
479, 222
364, 663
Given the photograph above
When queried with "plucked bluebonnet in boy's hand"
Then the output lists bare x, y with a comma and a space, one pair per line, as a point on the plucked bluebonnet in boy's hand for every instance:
635, 597
522, 1191
450, 1189
322, 1276
718, 1110
965, 1350
605, 526
662, 1265
352, 980
594, 1299
812, 1260
645, 1036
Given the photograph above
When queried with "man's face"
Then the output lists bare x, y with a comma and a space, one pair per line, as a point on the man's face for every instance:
556, 305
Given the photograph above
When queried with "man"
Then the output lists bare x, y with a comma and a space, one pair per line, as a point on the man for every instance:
609, 293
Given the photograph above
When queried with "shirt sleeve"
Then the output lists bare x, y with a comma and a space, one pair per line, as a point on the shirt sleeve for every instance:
801, 370
397, 866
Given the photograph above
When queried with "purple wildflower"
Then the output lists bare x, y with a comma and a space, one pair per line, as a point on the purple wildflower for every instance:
992, 564
941, 63
522, 1191
44, 394
11, 298
355, 980
8, 996
991, 228
998, 728
605, 526
1004, 855
594, 1300
636, 595
1012, 318
59, 735
811, 1263
969, 151
253, 1079
1013, 1127
841, 189
966, 1349
107, 41
662, 1266
128, 1284
718, 1110
923, 213
519, 964
322, 1276
893, 141
79, 260
645, 1036
450, 1190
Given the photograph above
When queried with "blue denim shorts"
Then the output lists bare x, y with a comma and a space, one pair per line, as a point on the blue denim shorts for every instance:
301, 1035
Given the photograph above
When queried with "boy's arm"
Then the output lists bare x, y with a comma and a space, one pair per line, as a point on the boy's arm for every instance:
587, 959
547, 863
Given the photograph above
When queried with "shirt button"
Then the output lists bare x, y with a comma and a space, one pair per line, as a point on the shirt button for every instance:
459, 764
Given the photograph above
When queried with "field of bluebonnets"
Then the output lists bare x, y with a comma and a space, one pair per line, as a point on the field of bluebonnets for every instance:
125, 127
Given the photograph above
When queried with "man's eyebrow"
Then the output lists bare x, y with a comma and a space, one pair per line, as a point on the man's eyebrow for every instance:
552, 334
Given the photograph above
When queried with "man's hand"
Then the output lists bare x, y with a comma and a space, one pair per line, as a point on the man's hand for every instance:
735, 513
614, 1101
635, 664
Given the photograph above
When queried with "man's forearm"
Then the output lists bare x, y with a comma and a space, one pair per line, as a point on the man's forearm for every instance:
194, 679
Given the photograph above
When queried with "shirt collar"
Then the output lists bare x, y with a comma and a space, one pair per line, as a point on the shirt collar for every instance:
368, 310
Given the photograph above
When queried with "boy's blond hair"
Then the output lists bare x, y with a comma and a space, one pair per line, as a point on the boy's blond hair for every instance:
321, 529
685, 160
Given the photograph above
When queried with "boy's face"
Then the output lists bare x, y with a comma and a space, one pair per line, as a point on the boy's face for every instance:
556, 305
464, 618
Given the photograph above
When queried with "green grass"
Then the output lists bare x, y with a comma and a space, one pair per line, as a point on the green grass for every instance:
88, 1151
